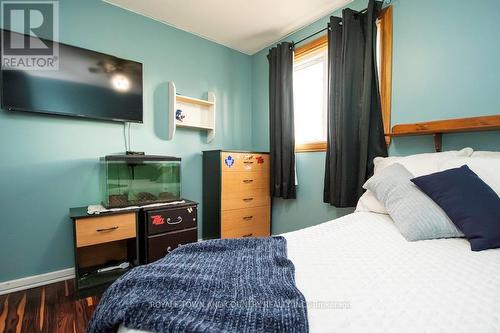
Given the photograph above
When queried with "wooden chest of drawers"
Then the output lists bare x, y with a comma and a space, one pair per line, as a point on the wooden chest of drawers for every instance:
236, 196
163, 229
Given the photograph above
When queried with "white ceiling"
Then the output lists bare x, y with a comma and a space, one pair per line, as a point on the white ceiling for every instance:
244, 25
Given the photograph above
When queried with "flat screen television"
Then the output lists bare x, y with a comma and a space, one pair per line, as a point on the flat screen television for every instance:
87, 84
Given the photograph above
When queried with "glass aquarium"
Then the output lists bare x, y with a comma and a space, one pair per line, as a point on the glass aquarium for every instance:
136, 180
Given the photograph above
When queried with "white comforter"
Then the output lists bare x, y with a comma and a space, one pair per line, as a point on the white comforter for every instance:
358, 274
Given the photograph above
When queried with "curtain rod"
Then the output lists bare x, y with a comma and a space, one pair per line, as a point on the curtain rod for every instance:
328, 27
311, 35
320, 31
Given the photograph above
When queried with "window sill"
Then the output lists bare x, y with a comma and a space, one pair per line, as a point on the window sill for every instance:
310, 147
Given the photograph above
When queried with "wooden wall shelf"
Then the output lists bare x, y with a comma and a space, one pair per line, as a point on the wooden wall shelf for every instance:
439, 127
198, 113
192, 100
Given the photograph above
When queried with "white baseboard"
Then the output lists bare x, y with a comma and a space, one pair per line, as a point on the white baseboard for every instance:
11, 286
7, 287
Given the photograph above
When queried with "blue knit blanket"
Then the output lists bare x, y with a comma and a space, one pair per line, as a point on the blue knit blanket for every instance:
233, 285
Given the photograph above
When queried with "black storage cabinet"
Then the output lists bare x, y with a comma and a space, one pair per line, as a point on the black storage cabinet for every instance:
163, 229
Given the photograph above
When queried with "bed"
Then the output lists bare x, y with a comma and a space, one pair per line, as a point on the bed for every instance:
379, 270
359, 274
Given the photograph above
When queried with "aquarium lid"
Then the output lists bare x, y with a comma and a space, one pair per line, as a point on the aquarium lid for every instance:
140, 158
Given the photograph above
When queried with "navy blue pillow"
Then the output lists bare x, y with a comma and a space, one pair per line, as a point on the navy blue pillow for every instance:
469, 203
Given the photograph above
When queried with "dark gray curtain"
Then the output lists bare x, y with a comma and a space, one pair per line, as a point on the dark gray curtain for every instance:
281, 126
355, 129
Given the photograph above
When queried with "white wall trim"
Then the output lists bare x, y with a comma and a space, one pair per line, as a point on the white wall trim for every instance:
7, 287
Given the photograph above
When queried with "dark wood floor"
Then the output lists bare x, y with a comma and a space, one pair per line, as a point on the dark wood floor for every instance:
51, 308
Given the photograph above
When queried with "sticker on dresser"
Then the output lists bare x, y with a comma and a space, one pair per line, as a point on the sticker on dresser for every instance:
229, 161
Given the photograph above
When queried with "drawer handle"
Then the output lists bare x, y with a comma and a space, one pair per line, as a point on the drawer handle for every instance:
247, 199
247, 235
248, 162
179, 220
107, 229
248, 181
247, 218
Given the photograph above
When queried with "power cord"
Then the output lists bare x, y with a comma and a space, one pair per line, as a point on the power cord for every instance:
126, 136
129, 146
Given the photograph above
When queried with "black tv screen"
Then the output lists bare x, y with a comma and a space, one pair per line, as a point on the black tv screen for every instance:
86, 84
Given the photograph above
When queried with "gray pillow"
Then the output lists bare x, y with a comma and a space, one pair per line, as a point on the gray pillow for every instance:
416, 215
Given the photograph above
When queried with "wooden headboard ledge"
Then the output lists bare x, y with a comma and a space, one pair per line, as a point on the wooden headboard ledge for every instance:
439, 127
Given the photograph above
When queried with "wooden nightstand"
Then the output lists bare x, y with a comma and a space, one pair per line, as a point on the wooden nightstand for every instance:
101, 241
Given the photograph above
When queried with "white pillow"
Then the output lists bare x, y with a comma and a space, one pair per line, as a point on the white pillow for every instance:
495, 154
369, 203
419, 165
487, 168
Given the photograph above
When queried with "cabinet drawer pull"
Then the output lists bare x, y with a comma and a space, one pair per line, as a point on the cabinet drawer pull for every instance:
247, 199
107, 229
248, 162
248, 181
179, 220
247, 235
247, 218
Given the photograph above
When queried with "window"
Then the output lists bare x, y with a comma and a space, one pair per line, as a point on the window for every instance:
384, 62
311, 80
310, 95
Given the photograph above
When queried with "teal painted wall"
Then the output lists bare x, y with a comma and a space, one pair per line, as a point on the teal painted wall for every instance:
49, 164
446, 64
